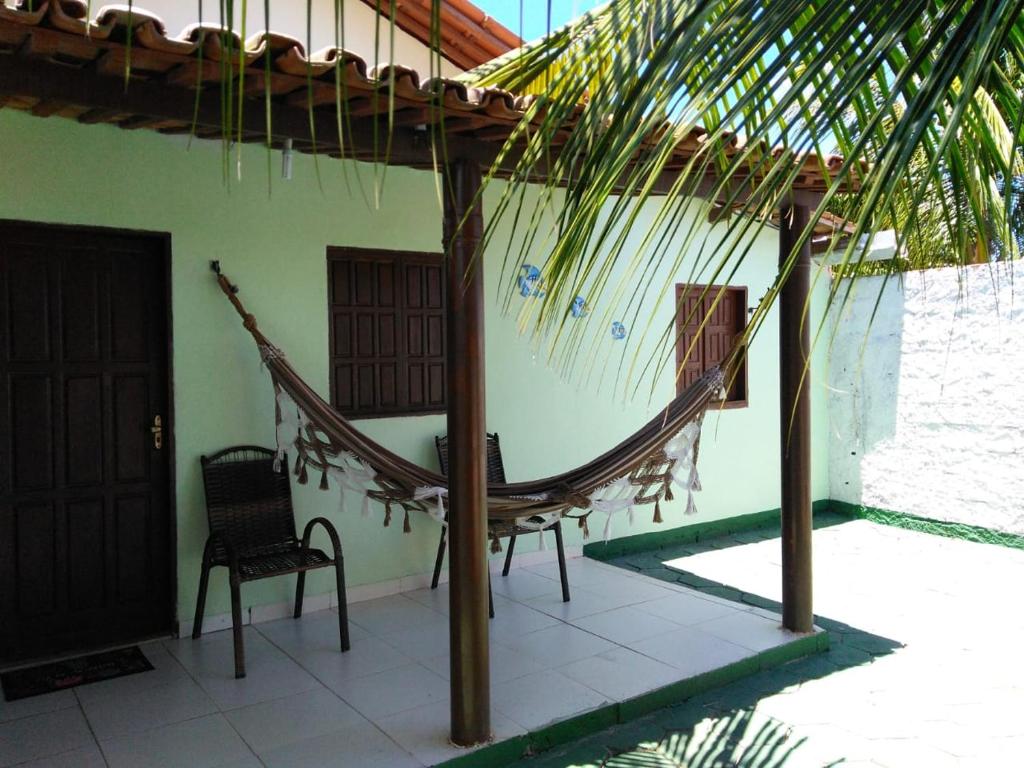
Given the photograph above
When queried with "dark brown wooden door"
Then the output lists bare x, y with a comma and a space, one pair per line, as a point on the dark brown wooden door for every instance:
85, 529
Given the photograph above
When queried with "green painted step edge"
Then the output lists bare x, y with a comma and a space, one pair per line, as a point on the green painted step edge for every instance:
510, 750
687, 534
944, 528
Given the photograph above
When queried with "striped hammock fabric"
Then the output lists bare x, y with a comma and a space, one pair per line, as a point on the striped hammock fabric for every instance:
643, 469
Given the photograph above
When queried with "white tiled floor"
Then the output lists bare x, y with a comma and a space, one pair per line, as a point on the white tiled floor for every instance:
385, 702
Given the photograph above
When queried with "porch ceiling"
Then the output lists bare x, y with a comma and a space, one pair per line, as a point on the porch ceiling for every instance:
56, 61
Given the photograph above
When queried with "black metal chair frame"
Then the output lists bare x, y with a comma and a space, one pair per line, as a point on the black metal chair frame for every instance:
495, 474
254, 536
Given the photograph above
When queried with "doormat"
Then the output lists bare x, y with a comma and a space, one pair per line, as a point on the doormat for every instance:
69, 673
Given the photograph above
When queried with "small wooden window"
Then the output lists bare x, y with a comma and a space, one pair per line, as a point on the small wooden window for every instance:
387, 332
717, 337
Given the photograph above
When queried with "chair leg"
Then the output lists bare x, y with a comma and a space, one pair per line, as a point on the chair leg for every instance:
339, 574
508, 555
204, 582
561, 561
440, 554
300, 590
236, 626
490, 597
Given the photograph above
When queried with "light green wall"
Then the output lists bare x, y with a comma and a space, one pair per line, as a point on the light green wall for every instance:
54, 170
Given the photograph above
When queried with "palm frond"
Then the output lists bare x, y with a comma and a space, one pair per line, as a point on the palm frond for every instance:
921, 99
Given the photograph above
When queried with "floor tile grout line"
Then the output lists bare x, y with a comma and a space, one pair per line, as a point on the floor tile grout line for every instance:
407, 709
680, 589
339, 697
88, 724
417, 603
557, 621
155, 728
309, 672
374, 722
568, 622
736, 609
218, 713
79, 705
222, 710
571, 621
37, 714
618, 645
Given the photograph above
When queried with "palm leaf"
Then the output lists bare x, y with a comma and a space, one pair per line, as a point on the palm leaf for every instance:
921, 99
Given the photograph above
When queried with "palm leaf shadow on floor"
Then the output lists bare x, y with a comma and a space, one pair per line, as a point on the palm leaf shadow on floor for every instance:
739, 740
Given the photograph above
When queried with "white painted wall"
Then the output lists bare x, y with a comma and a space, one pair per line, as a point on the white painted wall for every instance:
929, 420
289, 17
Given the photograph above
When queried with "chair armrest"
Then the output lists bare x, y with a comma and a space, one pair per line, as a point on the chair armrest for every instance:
329, 528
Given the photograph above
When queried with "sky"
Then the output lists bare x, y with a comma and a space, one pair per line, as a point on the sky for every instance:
534, 22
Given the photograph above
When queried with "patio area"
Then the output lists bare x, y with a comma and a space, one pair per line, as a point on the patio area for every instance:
385, 703
923, 667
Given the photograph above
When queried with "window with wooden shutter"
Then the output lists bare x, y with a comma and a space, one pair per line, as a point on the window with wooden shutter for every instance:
698, 350
387, 332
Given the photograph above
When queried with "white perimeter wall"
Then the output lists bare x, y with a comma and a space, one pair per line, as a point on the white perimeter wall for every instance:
927, 417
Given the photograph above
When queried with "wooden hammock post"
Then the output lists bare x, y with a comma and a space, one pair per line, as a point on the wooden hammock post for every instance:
795, 416
467, 446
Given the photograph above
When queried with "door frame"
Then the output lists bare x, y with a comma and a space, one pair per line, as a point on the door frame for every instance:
163, 242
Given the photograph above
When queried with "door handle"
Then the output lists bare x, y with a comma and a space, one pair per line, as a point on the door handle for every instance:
158, 432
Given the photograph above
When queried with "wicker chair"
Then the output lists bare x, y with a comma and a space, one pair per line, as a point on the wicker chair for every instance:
252, 534
500, 528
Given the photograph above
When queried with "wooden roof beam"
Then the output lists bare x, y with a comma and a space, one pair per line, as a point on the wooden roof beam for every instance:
150, 98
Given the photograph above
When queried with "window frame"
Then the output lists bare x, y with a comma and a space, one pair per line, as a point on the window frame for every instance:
742, 380
399, 258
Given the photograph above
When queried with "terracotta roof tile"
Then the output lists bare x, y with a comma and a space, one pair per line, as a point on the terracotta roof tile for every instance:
468, 36
57, 32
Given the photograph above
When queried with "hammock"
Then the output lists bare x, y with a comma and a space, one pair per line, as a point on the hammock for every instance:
642, 469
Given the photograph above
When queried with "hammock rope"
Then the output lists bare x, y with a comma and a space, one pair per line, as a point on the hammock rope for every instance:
641, 470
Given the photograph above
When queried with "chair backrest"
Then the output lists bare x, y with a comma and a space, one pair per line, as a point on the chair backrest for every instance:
495, 466
247, 501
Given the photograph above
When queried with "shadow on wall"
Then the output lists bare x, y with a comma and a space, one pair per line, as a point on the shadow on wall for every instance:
863, 378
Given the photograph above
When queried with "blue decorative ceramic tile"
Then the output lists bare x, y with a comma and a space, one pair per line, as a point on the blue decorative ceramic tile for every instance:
529, 282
